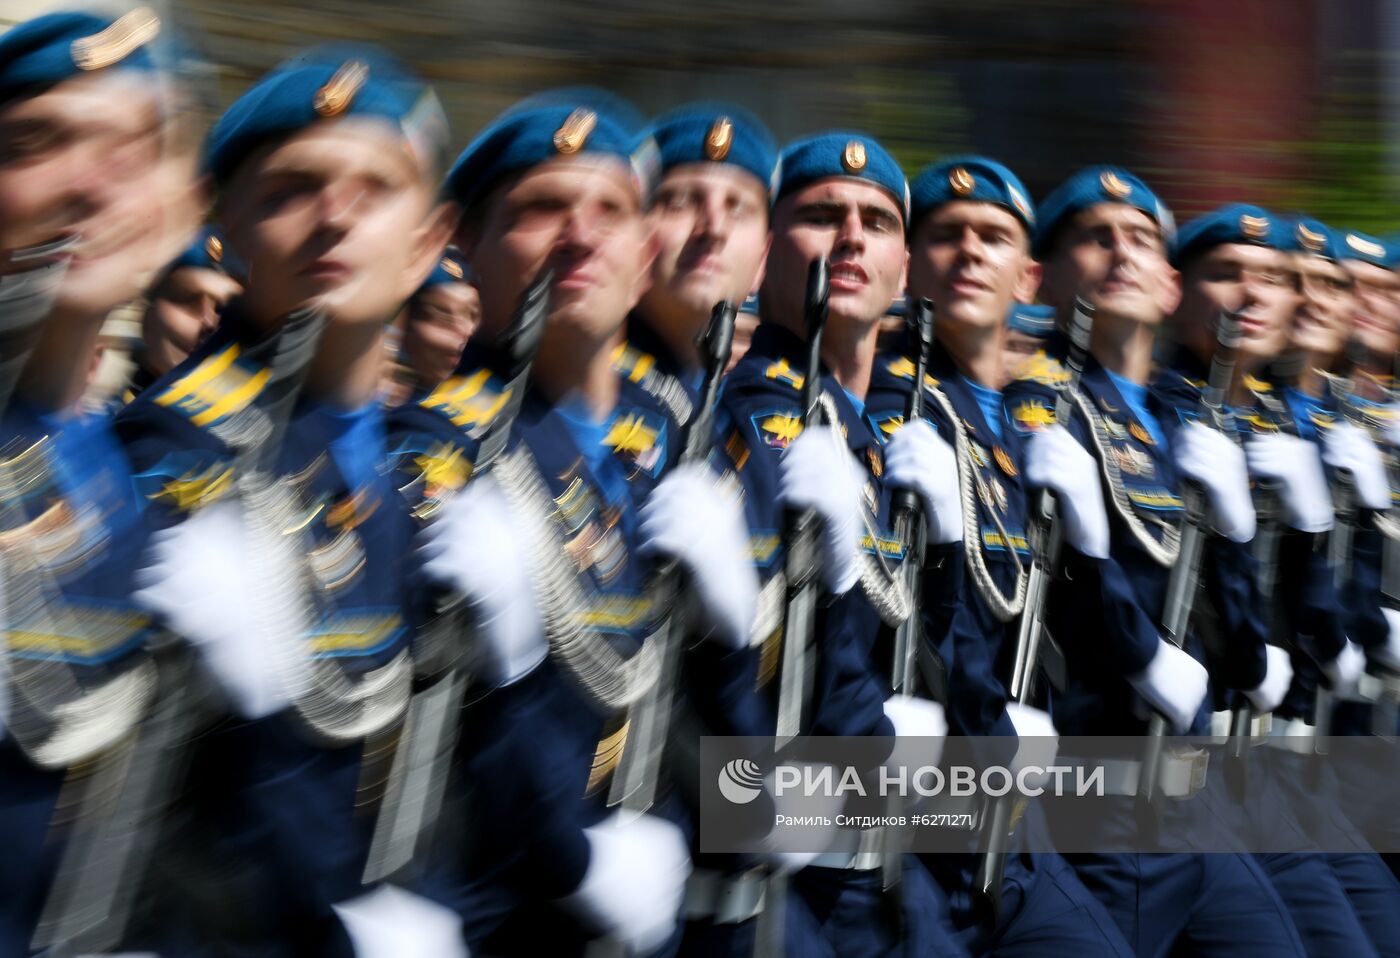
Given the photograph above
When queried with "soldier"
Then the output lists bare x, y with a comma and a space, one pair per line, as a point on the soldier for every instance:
1305, 314
970, 256
1104, 236
286, 563
183, 307
840, 197
559, 186
717, 168
441, 317
91, 204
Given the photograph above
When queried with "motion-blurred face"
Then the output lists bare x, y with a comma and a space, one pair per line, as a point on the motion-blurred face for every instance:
1113, 256
579, 216
711, 235
1326, 303
973, 261
441, 319
1376, 319
85, 174
339, 216
859, 227
1260, 282
181, 311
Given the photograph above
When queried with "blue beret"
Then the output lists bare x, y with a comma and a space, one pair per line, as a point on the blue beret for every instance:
323, 84
208, 251
1314, 237
847, 155
1031, 319
450, 269
717, 133
1366, 248
58, 46
1237, 223
1095, 185
546, 127
970, 178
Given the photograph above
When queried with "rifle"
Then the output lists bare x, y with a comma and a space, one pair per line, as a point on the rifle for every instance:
1184, 579
638, 774
1047, 540
911, 533
801, 567
801, 535
418, 777
909, 529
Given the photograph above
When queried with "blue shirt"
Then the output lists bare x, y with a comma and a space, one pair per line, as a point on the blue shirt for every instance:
990, 402
1135, 395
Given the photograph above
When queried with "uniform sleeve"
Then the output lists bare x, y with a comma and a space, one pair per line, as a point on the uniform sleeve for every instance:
1366, 624
1229, 575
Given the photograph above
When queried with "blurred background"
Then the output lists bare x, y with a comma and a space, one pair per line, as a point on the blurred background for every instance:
1293, 104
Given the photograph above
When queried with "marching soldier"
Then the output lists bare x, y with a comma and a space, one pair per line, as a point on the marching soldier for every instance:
562, 189
842, 198
439, 321
1305, 315
285, 563
92, 202
1104, 237
970, 256
183, 307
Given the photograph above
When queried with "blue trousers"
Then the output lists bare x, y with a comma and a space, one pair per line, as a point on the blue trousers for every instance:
844, 913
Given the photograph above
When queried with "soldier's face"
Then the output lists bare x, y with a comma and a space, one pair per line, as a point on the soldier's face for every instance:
579, 216
973, 260
1327, 301
84, 166
340, 217
1258, 281
181, 313
1112, 255
855, 224
1377, 312
440, 321
711, 236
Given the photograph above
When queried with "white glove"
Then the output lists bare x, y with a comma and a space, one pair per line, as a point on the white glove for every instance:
1278, 676
1054, 460
1388, 655
1210, 458
1039, 739
392, 923
917, 458
693, 518
1174, 684
1294, 462
1343, 671
474, 547
231, 592
794, 804
635, 880
818, 472
1346, 446
921, 726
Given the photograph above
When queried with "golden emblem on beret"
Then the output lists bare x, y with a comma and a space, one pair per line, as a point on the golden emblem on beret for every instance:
1254, 227
335, 97
1113, 184
1365, 246
854, 157
452, 268
719, 139
961, 180
126, 35
571, 137
1310, 239
1003, 461
214, 249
